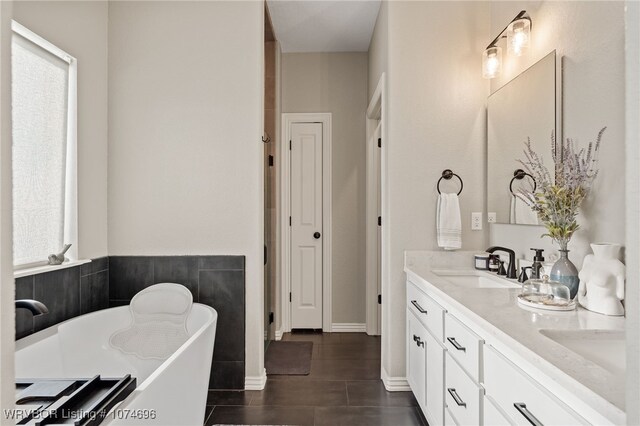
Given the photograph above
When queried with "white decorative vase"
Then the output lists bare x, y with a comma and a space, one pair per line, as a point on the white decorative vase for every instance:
602, 280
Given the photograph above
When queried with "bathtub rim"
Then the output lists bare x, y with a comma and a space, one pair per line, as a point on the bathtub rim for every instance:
53, 330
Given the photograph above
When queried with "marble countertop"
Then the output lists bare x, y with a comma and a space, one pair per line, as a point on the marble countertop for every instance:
497, 312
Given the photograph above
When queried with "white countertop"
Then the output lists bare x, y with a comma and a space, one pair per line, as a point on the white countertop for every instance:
497, 312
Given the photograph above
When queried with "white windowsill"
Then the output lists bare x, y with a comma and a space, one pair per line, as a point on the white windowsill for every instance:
19, 273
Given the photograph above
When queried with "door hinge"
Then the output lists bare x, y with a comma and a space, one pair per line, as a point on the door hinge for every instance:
271, 161
289, 144
379, 220
289, 220
379, 142
289, 297
265, 254
271, 318
379, 299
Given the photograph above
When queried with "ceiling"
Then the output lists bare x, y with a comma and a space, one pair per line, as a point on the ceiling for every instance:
323, 25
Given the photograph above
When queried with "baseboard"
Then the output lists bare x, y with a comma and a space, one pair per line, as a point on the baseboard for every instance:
394, 384
279, 334
256, 382
348, 327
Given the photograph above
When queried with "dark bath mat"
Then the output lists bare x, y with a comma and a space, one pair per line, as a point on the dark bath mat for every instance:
288, 358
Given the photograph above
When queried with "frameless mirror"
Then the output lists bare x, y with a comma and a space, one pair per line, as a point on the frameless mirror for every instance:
525, 107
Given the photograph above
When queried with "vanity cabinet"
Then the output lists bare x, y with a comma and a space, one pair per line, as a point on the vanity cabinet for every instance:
416, 358
425, 353
492, 415
459, 379
464, 346
463, 396
520, 397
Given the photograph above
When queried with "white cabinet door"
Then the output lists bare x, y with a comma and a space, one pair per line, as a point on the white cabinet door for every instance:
492, 415
416, 345
434, 388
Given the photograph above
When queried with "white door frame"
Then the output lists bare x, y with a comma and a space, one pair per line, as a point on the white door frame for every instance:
285, 208
375, 115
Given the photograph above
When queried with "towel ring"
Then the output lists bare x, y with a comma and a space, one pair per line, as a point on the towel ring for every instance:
520, 174
448, 174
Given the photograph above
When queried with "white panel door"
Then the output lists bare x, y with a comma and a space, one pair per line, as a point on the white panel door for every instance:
306, 225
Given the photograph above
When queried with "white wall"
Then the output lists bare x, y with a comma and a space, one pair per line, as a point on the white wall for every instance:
7, 287
632, 304
337, 83
185, 121
590, 38
436, 120
80, 28
378, 49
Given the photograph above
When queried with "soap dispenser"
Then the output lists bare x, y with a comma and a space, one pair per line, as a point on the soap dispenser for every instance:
538, 259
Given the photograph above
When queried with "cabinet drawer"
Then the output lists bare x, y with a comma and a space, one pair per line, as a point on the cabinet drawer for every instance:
416, 358
492, 415
464, 345
462, 395
426, 309
520, 397
448, 418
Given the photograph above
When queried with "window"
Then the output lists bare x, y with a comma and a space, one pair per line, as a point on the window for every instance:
44, 148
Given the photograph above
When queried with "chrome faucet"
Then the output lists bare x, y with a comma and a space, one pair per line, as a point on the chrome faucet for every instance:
511, 271
36, 308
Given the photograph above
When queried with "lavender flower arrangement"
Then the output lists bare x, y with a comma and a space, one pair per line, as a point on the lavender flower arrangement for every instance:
556, 200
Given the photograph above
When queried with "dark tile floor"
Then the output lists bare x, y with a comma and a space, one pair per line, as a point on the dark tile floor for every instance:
344, 388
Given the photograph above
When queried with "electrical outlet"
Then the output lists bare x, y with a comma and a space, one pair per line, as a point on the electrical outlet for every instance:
476, 221
491, 217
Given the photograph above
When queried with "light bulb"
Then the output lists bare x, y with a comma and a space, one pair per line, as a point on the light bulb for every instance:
518, 36
492, 62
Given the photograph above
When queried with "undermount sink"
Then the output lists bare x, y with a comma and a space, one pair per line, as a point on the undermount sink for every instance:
606, 348
474, 279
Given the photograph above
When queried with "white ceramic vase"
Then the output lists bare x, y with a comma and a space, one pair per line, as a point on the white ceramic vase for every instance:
602, 280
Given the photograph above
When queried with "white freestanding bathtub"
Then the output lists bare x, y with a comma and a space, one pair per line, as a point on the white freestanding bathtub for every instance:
171, 392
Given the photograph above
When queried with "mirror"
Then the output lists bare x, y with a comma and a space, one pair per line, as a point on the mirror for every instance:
525, 107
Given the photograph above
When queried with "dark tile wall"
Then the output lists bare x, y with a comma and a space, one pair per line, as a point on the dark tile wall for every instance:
66, 292
217, 281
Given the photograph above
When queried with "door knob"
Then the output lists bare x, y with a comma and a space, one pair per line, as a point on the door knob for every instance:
316, 235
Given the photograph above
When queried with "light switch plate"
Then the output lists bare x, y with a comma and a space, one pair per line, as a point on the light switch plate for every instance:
491, 217
476, 221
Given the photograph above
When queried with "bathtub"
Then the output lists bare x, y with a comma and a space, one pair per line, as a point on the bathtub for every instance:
171, 392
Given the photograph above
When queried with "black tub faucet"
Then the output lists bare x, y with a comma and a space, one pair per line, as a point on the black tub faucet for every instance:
511, 271
36, 308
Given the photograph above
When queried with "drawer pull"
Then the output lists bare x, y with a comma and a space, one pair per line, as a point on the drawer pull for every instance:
456, 397
456, 345
418, 341
418, 307
522, 408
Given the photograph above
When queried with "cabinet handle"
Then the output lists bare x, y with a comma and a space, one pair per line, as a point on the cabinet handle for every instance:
418, 307
522, 408
418, 341
456, 345
456, 398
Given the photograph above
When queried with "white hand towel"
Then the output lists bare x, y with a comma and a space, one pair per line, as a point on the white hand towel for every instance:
523, 213
449, 225
512, 209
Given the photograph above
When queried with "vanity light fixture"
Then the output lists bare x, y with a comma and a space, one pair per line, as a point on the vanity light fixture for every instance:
492, 62
518, 35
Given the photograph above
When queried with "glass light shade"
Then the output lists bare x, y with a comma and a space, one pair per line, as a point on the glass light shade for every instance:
492, 62
518, 36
